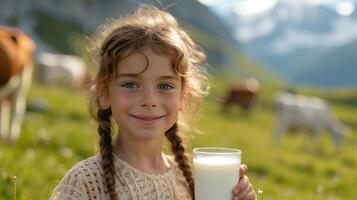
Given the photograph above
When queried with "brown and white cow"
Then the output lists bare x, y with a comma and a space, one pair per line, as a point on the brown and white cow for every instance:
16, 58
311, 114
242, 94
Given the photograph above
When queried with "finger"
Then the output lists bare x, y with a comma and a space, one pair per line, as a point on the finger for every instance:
246, 192
243, 192
242, 185
238, 188
251, 196
235, 191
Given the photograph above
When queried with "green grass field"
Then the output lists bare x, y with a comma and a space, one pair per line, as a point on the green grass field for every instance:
52, 142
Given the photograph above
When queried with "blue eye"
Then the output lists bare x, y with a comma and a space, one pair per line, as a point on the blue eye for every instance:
165, 86
130, 85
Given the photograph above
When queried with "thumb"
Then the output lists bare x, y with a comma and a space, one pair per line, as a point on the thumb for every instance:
243, 169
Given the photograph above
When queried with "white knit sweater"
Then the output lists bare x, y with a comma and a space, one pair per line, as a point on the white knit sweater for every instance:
86, 181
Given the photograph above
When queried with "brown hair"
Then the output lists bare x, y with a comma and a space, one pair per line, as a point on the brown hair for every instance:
148, 26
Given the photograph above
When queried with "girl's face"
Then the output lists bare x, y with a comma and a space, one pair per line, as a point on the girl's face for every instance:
144, 105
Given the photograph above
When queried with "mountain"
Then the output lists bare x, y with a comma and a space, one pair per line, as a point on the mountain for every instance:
89, 14
70, 21
295, 34
333, 68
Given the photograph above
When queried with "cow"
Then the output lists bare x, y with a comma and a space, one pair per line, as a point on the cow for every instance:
242, 94
307, 113
16, 66
62, 69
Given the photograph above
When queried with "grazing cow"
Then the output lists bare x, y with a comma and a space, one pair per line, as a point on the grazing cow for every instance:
312, 114
60, 69
242, 94
16, 58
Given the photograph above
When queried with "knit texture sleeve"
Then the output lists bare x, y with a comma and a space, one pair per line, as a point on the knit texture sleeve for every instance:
80, 183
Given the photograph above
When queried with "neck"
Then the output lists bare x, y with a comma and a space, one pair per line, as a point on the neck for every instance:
145, 155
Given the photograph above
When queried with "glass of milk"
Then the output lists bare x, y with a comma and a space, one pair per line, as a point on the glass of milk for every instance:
216, 172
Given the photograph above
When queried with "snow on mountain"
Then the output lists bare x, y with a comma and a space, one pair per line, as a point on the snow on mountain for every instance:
286, 36
291, 26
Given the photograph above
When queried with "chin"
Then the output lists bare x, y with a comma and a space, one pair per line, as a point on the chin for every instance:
148, 134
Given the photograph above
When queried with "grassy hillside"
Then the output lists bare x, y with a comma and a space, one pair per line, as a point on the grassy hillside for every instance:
52, 142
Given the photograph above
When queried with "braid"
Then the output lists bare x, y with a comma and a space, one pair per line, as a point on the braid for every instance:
105, 143
179, 150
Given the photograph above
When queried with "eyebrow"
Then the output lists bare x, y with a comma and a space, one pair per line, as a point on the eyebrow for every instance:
169, 77
128, 75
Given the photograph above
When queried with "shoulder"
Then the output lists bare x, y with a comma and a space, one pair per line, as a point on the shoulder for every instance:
88, 166
81, 181
85, 169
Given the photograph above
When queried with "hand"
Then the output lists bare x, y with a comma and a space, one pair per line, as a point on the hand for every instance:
244, 189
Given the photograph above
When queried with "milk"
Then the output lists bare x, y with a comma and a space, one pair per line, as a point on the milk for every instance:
215, 176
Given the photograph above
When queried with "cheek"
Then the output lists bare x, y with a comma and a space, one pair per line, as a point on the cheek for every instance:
173, 103
121, 102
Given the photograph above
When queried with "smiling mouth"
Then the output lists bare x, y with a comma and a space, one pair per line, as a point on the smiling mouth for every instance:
147, 119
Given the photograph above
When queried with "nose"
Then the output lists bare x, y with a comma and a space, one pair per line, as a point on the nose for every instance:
148, 99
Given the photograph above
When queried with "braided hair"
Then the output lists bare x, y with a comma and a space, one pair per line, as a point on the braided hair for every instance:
179, 151
105, 144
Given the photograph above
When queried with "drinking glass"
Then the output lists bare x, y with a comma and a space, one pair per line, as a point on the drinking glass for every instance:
216, 172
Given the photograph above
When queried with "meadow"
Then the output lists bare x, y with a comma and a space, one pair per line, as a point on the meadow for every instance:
52, 141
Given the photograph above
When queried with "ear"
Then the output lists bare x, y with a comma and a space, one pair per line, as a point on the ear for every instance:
104, 98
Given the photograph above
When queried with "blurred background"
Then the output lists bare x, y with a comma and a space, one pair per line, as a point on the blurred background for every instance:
255, 48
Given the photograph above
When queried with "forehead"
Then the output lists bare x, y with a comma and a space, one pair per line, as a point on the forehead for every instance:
146, 60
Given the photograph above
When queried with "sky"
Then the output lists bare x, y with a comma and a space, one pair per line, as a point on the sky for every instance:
253, 7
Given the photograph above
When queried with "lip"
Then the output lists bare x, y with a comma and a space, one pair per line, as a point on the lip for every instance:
147, 119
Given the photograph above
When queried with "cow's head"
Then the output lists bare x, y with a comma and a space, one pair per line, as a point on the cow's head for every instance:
339, 132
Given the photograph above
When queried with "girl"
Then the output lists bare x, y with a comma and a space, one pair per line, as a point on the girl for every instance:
150, 77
